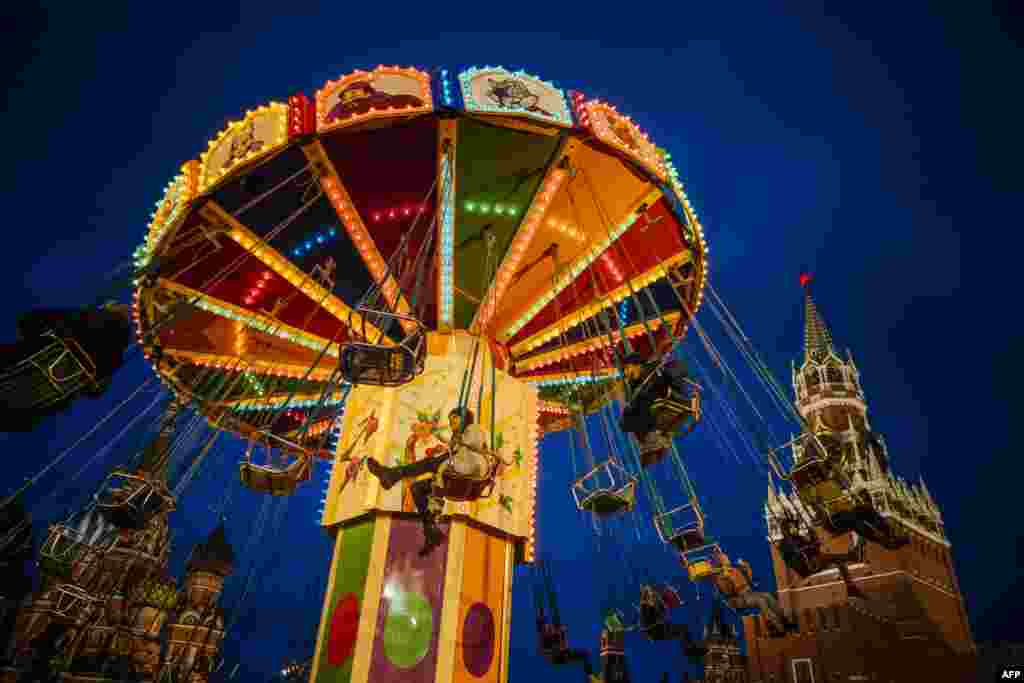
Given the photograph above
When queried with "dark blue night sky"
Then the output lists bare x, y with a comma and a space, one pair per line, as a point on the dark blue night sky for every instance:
866, 148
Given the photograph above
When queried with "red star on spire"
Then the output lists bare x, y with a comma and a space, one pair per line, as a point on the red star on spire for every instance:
805, 279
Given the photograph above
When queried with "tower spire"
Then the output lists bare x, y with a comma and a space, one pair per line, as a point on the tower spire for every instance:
817, 339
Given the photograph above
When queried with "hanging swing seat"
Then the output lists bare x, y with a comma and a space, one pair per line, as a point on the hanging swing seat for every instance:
276, 481
50, 375
606, 490
362, 362
60, 551
133, 501
676, 413
71, 601
822, 486
66, 550
683, 527
460, 488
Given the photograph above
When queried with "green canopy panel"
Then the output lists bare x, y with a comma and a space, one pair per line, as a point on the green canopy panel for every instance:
498, 170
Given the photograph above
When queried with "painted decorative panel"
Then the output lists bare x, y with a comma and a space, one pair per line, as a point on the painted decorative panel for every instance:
494, 90
417, 414
387, 91
259, 133
618, 131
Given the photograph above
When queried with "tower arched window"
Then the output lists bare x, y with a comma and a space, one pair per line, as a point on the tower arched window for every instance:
834, 375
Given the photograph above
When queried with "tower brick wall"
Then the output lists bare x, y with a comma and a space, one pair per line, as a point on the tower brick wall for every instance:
911, 624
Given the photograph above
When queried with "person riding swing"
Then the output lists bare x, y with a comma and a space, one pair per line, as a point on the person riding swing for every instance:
655, 603
649, 381
94, 340
804, 555
465, 455
735, 583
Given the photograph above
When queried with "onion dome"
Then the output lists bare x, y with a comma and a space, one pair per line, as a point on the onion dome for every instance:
160, 592
213, 555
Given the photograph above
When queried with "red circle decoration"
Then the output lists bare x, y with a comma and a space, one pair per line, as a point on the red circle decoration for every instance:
478, 639
344, 630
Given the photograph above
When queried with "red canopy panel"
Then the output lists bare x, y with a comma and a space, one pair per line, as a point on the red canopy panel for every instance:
388, 173
243, 280
654, 237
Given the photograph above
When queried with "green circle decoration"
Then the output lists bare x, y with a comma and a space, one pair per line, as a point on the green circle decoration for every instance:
407, 629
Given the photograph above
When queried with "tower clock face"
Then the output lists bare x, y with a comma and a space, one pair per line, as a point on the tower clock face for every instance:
834, 418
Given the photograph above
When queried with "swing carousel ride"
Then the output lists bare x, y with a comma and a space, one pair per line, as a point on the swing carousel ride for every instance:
334, 276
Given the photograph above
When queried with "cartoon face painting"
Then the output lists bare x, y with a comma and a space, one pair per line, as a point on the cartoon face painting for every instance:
623, 131
361, 97
243, 143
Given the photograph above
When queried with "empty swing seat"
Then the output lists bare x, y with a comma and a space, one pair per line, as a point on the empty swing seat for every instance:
275, 481
605, 496
60, 551
607, 502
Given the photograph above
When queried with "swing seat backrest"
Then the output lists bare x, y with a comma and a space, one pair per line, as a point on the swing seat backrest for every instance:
70, 600
50, 375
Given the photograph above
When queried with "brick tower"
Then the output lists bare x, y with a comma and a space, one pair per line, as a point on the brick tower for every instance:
723, 662
911, 623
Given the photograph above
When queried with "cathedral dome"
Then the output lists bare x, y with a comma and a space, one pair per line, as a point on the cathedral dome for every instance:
160, 592
213, 555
